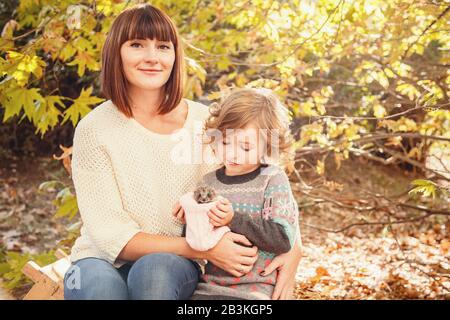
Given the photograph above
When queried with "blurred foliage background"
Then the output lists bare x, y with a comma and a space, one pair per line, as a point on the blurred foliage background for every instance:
365, 79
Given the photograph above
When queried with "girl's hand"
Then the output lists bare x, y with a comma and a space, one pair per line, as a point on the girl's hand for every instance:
222, 213
232, 257
286, 264
178, 212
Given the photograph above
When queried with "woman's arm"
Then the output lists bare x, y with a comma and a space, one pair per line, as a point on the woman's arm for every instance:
138, 246
227, 254
287, 265
107, 224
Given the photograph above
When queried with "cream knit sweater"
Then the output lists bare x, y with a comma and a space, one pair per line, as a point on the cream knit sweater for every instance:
128, 178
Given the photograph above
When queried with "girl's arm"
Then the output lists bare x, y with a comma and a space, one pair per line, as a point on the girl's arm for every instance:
266, 234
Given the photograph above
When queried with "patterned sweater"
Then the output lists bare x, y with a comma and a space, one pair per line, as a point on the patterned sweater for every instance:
265, 212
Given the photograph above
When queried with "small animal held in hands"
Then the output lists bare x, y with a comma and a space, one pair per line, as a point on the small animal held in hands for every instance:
205, 194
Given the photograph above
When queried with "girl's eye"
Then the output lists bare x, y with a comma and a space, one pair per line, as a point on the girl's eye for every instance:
135, 44
164, 47
246, 147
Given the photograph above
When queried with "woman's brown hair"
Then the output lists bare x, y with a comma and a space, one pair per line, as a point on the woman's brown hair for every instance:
140, 22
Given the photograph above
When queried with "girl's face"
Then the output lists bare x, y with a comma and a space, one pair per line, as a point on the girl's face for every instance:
241, 150
147, 63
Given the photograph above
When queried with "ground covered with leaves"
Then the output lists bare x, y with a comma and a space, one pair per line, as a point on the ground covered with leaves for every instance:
375, 267
404, 261
397, 261
28, 228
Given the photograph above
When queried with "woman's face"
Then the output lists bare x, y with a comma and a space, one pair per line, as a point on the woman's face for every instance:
147, 63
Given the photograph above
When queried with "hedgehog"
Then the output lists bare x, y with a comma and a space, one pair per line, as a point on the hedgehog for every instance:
205, 194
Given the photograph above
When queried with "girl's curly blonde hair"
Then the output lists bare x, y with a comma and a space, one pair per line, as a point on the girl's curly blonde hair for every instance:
262, 107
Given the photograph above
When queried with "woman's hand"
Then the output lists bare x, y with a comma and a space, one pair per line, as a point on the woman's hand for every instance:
222, 213
232, 257
286, 264
178, 212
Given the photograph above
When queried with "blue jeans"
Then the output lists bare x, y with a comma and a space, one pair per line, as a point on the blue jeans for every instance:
156, 276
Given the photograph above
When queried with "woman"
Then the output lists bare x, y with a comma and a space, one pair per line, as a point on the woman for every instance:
128, 178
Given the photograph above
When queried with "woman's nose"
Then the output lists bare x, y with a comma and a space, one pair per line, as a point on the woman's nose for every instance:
151, 54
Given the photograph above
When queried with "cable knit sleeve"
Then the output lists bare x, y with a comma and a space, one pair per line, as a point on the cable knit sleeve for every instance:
104, 219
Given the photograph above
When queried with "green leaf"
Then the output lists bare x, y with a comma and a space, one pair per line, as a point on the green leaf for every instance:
81, 106
22, 65
408, 90
21, 98
426, 187
67, 52
68, 208
196, 68
84, 60
47, 114
45, 186
379, 111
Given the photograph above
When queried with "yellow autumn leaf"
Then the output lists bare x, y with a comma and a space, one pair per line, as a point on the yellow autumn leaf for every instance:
379, 111
320, 167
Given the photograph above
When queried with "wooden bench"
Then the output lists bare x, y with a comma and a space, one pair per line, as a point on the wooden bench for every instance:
48, 280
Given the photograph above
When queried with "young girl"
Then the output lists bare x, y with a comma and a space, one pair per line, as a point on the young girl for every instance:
257, 201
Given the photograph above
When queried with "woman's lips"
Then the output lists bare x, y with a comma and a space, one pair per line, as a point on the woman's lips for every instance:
150, 71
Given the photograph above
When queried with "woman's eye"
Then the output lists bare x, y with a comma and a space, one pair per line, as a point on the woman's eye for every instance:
135, 44
164, 46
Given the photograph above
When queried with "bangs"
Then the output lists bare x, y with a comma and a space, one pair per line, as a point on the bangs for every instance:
140, 23
147, 23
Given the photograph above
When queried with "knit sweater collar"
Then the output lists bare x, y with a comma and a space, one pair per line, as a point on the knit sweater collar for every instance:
238, 179
188, 123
